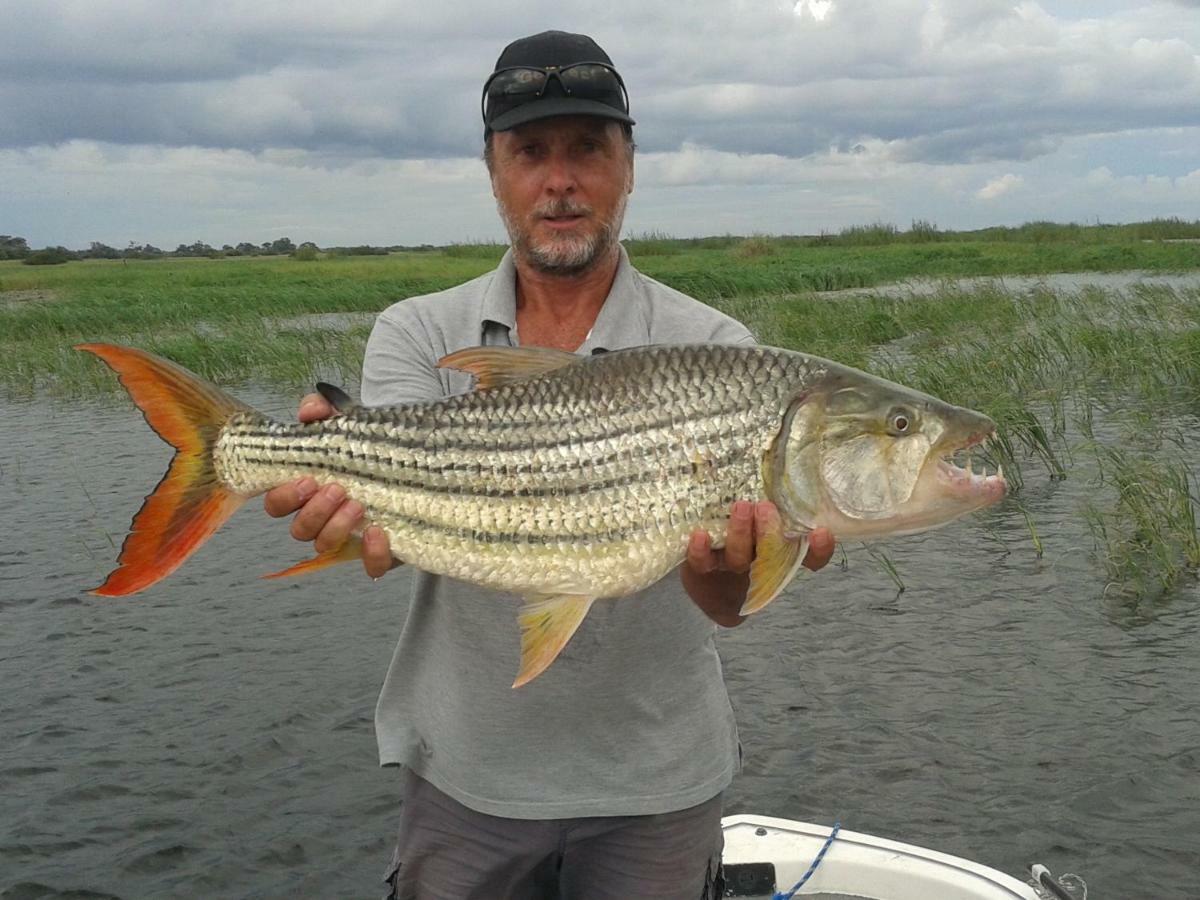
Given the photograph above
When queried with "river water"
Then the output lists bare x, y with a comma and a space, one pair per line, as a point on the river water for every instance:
1122, 281
213, 737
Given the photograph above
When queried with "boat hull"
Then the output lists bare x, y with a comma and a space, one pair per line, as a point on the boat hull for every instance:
856, 864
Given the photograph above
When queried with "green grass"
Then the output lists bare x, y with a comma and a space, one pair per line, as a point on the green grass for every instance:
208, 313
1147, 538
154, 301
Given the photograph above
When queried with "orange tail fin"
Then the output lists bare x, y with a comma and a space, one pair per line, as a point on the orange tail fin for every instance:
189, 503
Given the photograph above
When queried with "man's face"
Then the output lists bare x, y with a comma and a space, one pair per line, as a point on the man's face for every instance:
561, 186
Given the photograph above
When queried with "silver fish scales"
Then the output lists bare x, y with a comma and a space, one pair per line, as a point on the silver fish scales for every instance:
568, 479
584, 481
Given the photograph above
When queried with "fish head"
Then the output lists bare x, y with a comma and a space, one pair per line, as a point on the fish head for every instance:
866, 457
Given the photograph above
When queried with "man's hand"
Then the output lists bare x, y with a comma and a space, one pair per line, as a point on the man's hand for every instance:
325, 516
717, 580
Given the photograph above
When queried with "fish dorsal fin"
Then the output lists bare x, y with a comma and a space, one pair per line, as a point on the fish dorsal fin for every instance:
777, 559
547, 622
338, 399
494, 366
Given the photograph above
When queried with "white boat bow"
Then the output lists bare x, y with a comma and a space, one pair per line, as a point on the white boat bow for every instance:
764, 855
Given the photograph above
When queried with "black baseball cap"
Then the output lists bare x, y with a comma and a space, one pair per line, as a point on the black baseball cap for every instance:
579, 91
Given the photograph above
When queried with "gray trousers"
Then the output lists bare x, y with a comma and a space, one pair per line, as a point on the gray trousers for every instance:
446, 851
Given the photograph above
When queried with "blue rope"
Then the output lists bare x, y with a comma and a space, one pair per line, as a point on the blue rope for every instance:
781, 895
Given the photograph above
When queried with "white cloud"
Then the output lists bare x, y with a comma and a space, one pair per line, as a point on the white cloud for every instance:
84, 191
388, 80
817, 9
820, 110
169, 196
999, 186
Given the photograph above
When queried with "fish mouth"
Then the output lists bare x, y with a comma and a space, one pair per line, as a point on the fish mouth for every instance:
957, 469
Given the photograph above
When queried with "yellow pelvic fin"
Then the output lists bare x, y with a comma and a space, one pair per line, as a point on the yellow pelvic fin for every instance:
547, 622
494, 366
351, 550
777, 558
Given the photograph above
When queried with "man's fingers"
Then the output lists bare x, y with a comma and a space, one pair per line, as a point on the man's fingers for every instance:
700, 555
338, 528
287, 498
314, 407
316, 512
820, 549
739, 537
377, 554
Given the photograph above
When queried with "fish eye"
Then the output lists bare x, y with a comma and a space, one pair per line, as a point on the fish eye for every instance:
900, 421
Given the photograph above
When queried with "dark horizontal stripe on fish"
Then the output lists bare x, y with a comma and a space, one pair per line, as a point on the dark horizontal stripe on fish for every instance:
481, 468
443, 443
638, 476
485, 441
676, 375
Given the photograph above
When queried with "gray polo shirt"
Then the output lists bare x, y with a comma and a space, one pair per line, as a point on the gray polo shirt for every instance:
633, 717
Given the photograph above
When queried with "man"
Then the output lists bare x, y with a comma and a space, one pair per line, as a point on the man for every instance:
602, 778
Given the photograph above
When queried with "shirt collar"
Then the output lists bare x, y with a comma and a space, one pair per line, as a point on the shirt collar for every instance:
624, 319
500, 299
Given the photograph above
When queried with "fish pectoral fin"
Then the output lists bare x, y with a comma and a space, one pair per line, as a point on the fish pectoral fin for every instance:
351, 550
777, 558
494, 366
547, 622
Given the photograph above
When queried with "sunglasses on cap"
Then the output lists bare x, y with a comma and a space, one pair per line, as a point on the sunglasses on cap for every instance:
513, 86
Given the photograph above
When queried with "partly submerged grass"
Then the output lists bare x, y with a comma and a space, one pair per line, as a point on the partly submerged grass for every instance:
1147, 538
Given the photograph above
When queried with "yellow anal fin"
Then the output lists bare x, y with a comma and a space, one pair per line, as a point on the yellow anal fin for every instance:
547, 622
494, 366
777, 558
351, 550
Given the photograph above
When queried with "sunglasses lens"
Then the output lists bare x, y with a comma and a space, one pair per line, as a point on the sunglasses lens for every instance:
516, 83
590, 81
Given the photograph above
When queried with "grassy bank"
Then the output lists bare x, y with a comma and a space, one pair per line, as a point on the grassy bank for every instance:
209, 314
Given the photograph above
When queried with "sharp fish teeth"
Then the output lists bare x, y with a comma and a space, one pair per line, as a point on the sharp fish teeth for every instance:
999, 471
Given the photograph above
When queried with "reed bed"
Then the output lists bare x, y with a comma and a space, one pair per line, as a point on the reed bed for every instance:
46, 308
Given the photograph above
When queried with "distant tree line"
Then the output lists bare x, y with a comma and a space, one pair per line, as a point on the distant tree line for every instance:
876, 233
13, 247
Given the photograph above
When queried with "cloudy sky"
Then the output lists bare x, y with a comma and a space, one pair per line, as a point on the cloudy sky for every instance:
171, 122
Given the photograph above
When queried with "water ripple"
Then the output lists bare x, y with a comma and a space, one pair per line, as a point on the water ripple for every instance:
215, 739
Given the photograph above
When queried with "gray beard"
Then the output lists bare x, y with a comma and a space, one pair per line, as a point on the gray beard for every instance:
565, 256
